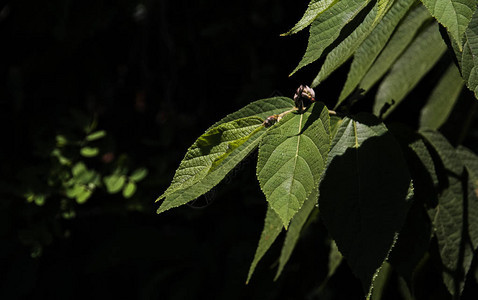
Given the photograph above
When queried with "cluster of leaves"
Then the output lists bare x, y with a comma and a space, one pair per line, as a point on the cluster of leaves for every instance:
69, 174
71, 166
390, 41
388, 195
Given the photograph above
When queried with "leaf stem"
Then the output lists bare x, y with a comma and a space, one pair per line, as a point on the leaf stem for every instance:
281, 115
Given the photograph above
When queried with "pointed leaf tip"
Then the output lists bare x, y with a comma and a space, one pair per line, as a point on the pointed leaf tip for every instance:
315, 8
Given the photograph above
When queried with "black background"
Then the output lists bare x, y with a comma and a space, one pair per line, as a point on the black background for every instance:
156, 73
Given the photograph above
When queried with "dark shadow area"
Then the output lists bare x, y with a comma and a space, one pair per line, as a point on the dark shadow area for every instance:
364, 216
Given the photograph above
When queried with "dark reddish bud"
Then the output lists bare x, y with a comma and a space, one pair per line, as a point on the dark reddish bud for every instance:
303, 97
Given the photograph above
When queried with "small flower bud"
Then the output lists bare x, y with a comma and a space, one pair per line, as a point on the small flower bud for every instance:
303, 97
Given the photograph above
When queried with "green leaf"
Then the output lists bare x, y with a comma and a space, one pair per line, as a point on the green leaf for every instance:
114, 183
295, 228
407, 71
335, 122
419, 160
380, 283
39, 199
138, 174
61, 140
291, 159
96, 135
470, 160
79, 169
207, 148
399, 41
215, 174
272, 229
413, 242
83, 195
468, 58
261, 108
315, 8
326, 28
455, 217
335, 259
73, 190
89, 151
364, 194
81, 174
372, 45
257, 109
129, 189
347, 47
442, 99
61, 159
453, 14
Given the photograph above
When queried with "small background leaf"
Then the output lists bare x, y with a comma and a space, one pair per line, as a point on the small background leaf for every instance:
89, 151
139, 174
96, 135
129, 189
114, 183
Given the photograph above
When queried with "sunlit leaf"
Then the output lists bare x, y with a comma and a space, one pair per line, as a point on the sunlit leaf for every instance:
213, 171
326, 28
261, 108
209, 147
372, 45
453, 14
198, 161
347, 47
315, 8
291, 159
